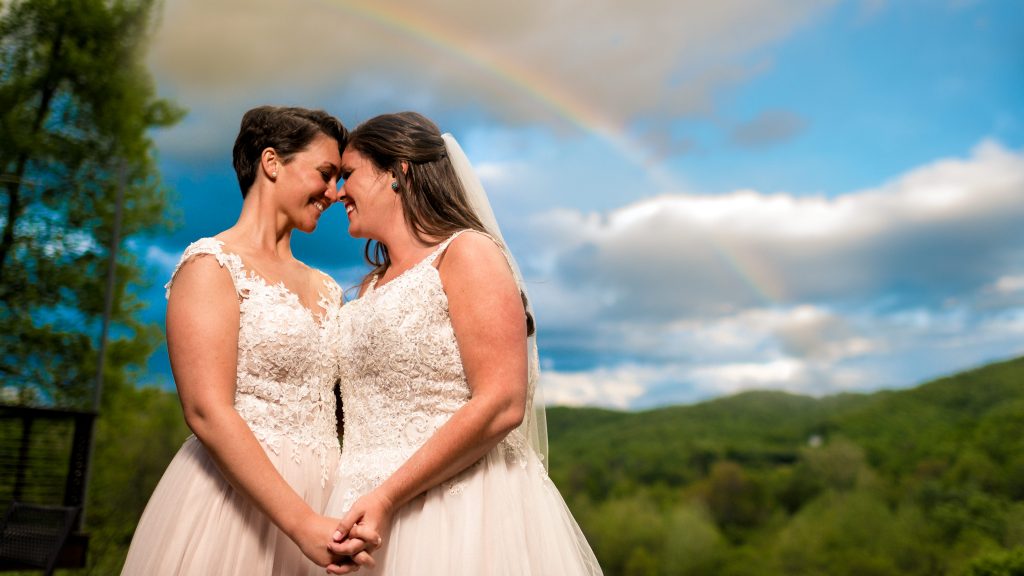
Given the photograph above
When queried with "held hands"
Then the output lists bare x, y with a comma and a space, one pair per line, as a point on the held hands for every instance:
350, 555
366, 522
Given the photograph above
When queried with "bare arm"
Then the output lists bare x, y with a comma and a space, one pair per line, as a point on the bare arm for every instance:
487, 316
202, 341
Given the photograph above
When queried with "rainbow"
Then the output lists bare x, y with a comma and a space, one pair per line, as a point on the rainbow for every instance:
570, 108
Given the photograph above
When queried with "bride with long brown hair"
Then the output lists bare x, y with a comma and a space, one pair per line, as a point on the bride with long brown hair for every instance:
444, 445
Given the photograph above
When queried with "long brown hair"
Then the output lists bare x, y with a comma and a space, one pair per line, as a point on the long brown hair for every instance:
433, 201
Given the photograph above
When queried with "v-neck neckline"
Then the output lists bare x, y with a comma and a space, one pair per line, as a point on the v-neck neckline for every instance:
317, 318
441, 246
374, 287
428, 258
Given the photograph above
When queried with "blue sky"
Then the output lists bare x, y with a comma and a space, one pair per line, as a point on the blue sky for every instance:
813, 196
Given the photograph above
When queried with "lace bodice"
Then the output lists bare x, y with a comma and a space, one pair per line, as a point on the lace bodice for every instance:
286, 369
401, 376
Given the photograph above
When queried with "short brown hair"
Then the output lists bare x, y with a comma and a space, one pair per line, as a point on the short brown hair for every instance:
288, 130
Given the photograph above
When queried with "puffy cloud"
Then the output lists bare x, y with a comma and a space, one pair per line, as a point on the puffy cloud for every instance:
617, 388
534, 60
756, 349
1009, 284
1004, 293
692, 296
940, 231
163, 260
817, 334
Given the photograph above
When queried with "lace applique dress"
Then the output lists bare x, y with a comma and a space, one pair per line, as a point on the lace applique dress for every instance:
195, 523
402, 379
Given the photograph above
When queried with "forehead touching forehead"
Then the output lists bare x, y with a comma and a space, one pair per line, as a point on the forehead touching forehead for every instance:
352, 159
323, 148
285, 130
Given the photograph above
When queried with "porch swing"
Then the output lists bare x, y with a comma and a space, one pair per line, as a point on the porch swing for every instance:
44, 458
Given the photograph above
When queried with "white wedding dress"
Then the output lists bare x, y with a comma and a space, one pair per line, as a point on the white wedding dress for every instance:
402, 379
196, 523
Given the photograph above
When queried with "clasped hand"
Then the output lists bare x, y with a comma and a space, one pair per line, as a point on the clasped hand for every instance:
362, 528
351, 553
354, 550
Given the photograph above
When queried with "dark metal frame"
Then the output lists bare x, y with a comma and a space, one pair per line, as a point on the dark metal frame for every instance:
70, 550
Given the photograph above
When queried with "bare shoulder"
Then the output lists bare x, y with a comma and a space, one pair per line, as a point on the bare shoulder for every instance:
474, 257
474, 247
202, 278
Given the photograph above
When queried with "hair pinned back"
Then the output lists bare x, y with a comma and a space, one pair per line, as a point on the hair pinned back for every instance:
288, 130
433, 201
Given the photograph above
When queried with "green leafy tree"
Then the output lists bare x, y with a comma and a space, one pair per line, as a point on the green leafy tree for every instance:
76, 108
999, 563
1001, 435
627, 534
693, 545
838, 465
734, 498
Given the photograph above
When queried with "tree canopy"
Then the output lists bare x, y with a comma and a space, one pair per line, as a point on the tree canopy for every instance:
77, 105
922, 481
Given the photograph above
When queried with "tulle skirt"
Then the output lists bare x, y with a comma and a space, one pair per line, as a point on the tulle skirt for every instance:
197, 524
498, 518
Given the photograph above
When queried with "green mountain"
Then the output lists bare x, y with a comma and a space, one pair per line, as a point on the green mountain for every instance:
928, 480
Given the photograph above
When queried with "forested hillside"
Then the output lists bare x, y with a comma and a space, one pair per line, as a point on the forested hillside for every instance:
922, 481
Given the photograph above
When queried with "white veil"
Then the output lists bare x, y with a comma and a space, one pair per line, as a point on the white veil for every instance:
534, 426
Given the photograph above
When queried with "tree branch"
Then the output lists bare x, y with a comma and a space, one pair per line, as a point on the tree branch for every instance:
15, 206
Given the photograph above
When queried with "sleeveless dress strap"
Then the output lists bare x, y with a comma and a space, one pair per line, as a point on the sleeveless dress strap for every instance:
444, 245
433, 256
213, 247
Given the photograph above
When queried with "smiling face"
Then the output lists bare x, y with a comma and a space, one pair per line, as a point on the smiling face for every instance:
372, 206
307, 183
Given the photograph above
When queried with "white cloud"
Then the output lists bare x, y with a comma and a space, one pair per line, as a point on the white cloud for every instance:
493, 173
732, 378
943, 230
611, 388
749, 351
1009, 284
162, 259
814, 333
559, 61
692, 296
